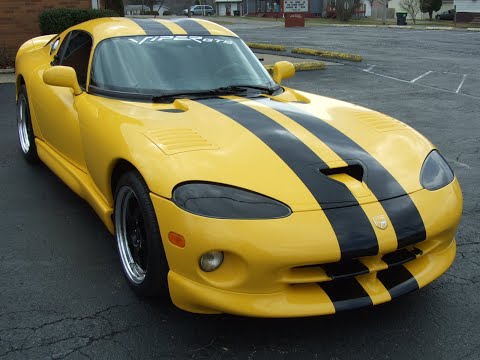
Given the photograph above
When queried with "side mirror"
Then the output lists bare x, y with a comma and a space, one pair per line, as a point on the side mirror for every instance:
282, 70
63, 76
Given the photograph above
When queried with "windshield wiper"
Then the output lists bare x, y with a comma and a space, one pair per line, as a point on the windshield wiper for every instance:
205, 94
243, 88
168, 97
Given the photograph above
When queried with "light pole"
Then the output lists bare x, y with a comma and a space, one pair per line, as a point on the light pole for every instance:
188, 10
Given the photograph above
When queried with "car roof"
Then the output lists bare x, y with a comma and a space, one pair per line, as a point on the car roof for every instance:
105, 28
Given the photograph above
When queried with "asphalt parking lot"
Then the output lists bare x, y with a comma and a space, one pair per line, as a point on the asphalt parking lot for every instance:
63, 295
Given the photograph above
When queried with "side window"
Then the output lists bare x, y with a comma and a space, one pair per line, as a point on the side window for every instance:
76, 54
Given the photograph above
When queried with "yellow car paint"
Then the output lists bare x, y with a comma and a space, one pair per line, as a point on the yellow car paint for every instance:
272, 268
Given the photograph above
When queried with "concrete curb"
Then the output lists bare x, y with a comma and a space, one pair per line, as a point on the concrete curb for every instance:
266, 46
473, 29
328, 54
7, 71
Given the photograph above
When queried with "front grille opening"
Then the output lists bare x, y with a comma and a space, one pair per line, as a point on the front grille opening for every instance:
349, 268
355, 171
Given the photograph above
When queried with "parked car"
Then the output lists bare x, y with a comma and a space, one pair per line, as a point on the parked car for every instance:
206, 10
446, 15
224, 188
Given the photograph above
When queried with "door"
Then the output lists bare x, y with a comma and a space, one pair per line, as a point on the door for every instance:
56, 107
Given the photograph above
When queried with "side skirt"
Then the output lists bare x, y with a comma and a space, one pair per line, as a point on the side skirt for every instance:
78, 181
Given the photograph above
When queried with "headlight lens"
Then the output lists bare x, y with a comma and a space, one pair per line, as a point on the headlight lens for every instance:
227, 202
436, 173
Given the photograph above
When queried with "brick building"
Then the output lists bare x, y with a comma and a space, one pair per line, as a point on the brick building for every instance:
19, 19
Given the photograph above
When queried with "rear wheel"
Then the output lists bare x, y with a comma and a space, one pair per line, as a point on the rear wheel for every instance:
138, 237
25, 129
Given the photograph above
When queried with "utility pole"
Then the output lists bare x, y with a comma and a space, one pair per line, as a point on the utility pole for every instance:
384, 15
188, 10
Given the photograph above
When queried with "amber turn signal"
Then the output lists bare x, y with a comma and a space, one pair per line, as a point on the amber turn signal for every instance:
176, 239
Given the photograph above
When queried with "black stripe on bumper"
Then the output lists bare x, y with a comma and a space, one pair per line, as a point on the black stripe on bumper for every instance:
341, 269
398, 281
351, 225
346, 294
398, 257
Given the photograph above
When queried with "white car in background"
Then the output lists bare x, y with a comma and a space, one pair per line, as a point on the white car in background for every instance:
205, 10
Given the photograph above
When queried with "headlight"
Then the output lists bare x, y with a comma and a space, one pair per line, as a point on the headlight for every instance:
435, 172
227, 202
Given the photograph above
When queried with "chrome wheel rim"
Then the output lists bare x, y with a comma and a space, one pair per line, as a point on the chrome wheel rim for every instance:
131, 235
22, 123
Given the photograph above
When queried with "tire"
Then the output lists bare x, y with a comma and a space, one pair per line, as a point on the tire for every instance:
437, 17
138, 237
25, 129
191, 14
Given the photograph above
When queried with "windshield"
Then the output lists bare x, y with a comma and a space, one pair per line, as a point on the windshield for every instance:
156, 65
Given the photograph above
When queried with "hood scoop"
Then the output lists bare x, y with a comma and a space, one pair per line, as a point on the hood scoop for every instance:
178, 140
354, 171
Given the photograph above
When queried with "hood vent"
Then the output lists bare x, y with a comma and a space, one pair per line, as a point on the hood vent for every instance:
380, 122
174, 141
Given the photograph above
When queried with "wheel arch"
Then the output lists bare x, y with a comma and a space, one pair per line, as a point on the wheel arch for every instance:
120, 167
20, 80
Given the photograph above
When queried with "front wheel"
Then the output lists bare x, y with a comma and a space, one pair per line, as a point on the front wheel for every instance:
437, 17
24, 127
138, 237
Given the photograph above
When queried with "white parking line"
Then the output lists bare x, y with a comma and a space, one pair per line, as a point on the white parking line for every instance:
423, 85
461, 84
370, 68
421, 76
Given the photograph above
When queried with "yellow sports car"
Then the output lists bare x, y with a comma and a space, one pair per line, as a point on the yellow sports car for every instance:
225, 189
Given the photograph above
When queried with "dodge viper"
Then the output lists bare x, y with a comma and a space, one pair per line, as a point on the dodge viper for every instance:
224, 189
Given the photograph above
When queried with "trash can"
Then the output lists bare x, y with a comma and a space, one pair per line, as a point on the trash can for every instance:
236, 12
401, 18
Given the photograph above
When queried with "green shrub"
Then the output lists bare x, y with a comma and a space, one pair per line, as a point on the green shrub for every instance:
167, 13
54, 21
115, 5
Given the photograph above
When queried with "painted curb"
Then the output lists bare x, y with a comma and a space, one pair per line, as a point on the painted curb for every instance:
439, 28
266, 46
400, 27
303, 66
328, 54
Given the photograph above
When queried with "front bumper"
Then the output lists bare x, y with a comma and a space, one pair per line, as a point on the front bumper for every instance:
311, 299
291, 267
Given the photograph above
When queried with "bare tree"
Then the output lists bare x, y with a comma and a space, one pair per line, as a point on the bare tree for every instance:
412, 7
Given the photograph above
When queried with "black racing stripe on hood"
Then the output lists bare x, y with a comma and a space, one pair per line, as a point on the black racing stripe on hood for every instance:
398, 205
346, 294
152, 27
192, 27
352, 227
398, 281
